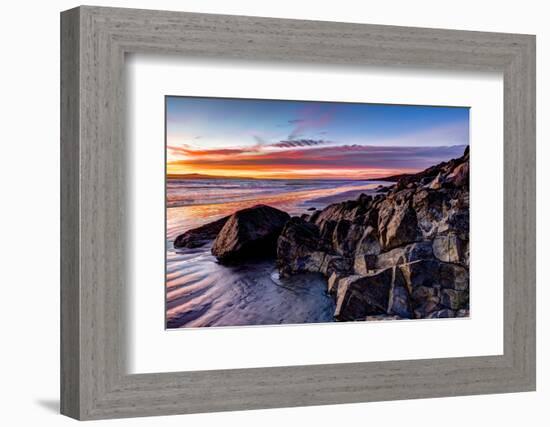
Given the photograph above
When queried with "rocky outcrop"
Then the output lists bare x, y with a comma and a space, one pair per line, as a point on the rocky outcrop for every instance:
249, 233
299, 251
401, 254
379, 293
201, 235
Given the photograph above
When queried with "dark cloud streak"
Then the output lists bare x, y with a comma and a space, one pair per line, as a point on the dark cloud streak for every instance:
299, 143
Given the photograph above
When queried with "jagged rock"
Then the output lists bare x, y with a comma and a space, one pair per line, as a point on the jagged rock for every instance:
326, 230
460, 176
249, 233
342, 297
423, 294
364, 264
425, 309
429, 206
314, 262
201, 235
360, 296
313, 217
335, 263
397, 224
441, 314
437, 182
453, 299
368, 243
399, 300
405, 254
340, 241
421, 273
451, 248
298, 248
442, 212
384, 292
333, 283
458, 218
452, 276
434, 273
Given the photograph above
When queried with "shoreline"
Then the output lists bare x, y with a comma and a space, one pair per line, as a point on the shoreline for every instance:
182, 218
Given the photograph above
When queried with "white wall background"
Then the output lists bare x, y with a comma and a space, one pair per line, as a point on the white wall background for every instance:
29, 233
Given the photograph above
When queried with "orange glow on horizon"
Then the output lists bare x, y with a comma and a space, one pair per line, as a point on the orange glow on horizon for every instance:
279, 172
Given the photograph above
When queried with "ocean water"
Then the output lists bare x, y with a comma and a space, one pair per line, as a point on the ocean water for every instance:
201, 292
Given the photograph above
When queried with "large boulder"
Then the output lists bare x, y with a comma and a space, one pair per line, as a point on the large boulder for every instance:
201, 235
249, 233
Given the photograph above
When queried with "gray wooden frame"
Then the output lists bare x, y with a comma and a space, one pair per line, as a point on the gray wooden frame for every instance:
94, 41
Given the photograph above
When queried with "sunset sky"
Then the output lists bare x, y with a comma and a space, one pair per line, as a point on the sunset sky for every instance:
297, 139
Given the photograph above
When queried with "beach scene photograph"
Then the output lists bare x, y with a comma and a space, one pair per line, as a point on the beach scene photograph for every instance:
297, 212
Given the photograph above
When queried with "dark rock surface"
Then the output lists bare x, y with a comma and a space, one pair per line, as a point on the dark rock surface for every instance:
249, 233
201, 235
402, 254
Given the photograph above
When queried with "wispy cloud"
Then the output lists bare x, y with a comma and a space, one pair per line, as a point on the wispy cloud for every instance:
193, 152
312, 117
299, 143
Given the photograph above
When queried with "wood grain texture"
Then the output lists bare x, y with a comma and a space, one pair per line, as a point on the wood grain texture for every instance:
70, 297
95, 383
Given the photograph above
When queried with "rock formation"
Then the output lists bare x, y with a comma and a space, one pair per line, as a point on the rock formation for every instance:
201, 235
249, 233
401, 254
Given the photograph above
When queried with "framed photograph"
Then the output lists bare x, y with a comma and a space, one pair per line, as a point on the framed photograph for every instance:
285, 211
263, 213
